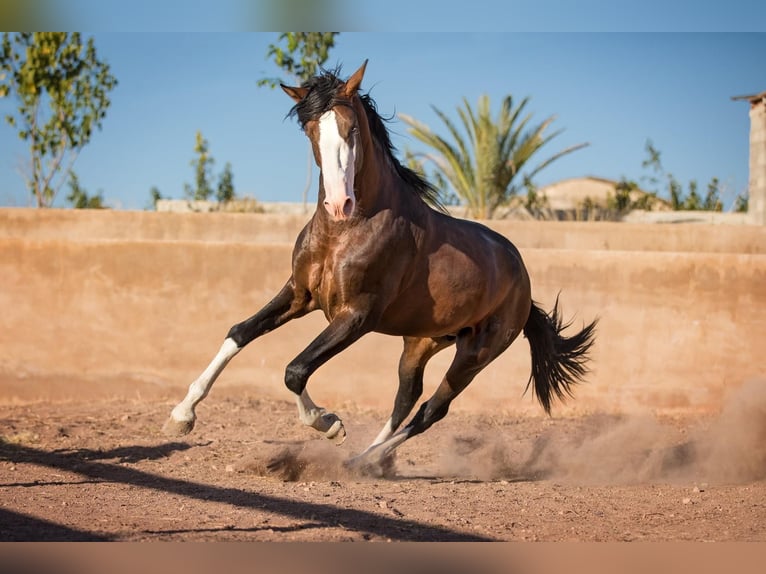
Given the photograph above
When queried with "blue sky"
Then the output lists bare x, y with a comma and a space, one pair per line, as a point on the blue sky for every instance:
613, 90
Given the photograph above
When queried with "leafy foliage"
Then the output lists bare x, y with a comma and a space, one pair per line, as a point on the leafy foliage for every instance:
203, 188
625, 199
79, 198
62, 89
534, 202
202, 165
299, 54
225, 191
155, 195
680, 201
741, 202
486, 162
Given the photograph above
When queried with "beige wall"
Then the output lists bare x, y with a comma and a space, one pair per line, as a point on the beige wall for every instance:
133, 302
757, 187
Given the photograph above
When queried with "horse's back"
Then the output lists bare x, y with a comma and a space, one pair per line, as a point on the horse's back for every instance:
491, 252
463, 272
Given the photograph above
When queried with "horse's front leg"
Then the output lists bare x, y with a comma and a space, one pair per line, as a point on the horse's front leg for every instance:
289, 303
346, 328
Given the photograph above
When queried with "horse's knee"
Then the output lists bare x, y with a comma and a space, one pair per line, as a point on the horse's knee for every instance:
238, 334
296, 376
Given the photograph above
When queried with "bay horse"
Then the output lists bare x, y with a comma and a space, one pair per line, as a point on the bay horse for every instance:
376, 256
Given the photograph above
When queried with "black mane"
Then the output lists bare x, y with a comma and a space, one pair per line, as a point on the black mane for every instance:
323, 96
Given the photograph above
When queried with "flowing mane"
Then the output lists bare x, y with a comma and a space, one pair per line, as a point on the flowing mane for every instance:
323, 95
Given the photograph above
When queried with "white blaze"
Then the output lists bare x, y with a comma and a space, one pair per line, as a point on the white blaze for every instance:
337, 167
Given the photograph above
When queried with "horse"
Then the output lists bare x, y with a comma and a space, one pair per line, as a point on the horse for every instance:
381, 255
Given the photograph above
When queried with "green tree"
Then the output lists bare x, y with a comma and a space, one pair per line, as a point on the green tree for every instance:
624, 201
534, 202
692, 201
712, 201
155, 195
487, 165
300, 55
676, 194
679, 200
79, 198
654, 162
62, 89
741, 202
225, 191
202, 165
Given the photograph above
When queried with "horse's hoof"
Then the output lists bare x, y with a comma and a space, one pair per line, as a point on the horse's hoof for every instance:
367, 464
174, 428
336, 433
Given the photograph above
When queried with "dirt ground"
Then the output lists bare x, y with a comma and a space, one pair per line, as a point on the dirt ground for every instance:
98, 468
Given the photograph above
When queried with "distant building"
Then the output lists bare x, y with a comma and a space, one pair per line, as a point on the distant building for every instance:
571, 194
757, 185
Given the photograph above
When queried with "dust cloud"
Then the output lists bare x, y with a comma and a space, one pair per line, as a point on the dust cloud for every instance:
729, 447
307, 460
612, 450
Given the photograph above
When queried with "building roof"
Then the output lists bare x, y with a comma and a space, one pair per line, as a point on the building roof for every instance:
752, 98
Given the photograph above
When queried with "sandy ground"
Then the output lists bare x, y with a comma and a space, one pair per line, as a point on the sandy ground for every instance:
98, 468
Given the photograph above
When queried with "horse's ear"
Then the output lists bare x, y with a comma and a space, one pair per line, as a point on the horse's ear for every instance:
297, 94
354, 82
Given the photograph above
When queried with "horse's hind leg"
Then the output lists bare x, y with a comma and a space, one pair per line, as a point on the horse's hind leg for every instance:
475, 350
417, 352
288, 304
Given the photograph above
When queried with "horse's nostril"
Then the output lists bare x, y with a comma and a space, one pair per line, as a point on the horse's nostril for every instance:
338, 210
348, 207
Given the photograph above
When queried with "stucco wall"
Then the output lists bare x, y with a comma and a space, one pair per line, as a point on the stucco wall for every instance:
136, 302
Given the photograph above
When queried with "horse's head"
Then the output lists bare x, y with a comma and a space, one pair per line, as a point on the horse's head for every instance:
327, 112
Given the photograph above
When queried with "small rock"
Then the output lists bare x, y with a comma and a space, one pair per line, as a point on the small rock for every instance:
686, 500
383, 504
229, 468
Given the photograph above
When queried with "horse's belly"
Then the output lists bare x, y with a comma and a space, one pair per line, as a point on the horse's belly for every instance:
419, 316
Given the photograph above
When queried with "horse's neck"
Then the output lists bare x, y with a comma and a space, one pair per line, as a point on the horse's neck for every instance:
382, 190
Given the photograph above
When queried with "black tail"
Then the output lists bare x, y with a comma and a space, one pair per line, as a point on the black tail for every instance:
557, 362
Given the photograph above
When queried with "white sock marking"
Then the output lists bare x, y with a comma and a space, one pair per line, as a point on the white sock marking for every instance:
307, 410
199, 389
377, 451
384, 434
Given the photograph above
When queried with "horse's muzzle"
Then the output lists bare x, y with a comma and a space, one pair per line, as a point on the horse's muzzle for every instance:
338, 210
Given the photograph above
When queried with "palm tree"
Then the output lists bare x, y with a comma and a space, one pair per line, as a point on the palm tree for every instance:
483, 169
